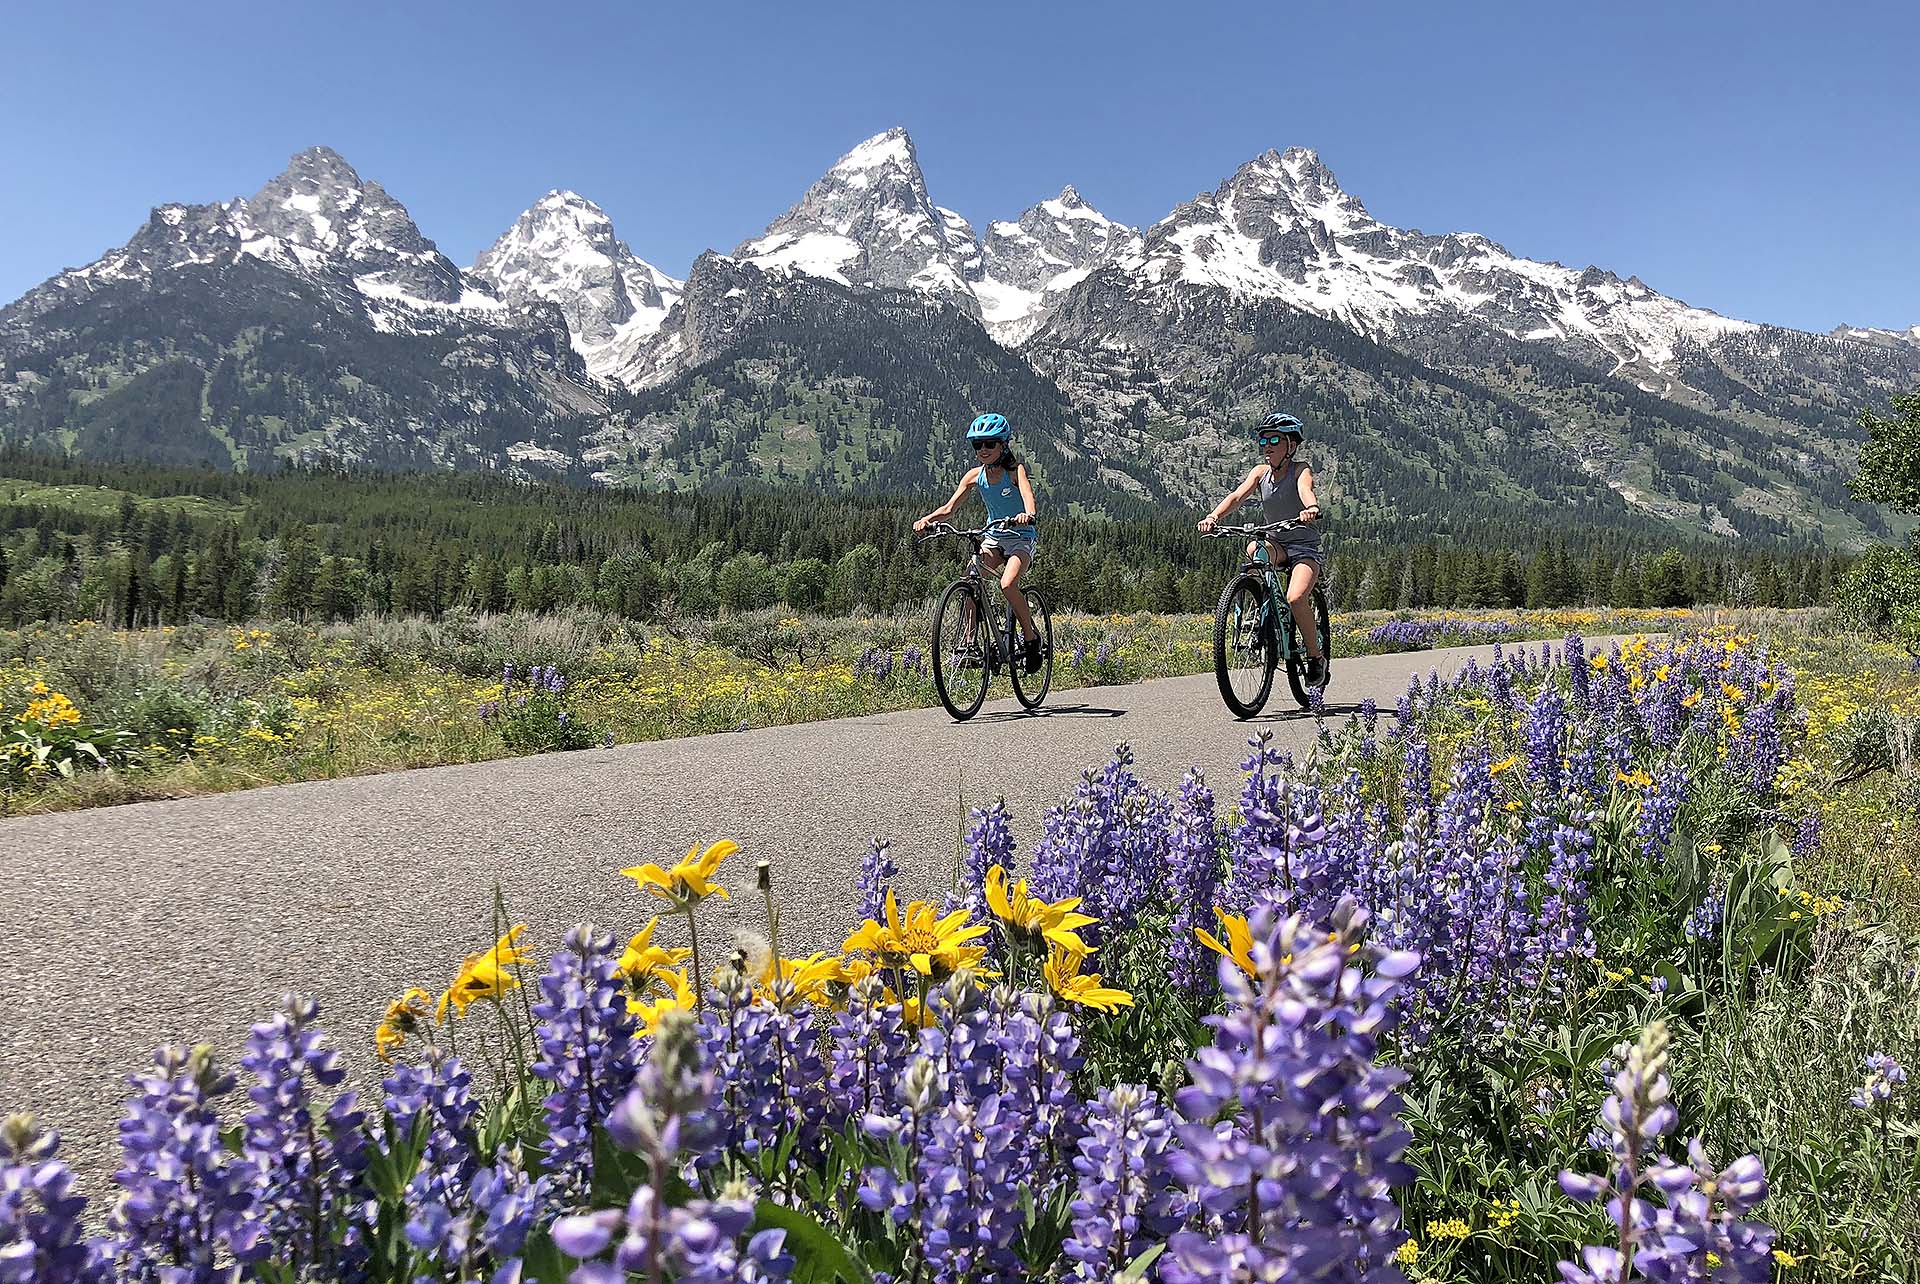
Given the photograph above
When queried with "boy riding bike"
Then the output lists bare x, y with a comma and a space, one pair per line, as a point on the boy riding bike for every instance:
1008, 491
1286, 494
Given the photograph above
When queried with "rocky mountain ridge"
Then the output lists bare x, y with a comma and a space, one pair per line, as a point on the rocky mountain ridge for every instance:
1276, 288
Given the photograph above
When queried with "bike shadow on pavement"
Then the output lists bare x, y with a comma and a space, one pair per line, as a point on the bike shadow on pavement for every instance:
1328, 710
1051, 711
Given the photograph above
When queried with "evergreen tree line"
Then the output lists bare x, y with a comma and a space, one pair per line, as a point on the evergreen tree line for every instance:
122, 544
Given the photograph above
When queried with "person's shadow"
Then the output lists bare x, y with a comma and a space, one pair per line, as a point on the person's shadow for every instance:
1052, 711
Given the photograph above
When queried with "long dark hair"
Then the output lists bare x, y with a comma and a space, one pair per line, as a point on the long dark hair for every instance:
1005, 460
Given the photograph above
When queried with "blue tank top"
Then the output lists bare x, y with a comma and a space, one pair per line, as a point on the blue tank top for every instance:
1004, 501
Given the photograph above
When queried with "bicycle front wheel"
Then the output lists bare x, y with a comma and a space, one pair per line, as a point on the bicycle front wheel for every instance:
1243, 658
1297, 651
959, 650
1031, 688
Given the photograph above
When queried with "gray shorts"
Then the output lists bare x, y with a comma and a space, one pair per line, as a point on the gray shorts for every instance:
1300, 552
1007, 545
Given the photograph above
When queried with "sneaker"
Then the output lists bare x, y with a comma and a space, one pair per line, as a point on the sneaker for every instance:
1035, 653
1316, 671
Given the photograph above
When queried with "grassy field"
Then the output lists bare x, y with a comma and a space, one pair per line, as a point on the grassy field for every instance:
97, 716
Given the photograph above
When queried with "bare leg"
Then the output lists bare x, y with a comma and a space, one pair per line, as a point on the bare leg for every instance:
1300, 602
1016, 598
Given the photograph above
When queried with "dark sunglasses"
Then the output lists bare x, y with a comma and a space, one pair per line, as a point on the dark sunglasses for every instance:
1275, 440
983, 445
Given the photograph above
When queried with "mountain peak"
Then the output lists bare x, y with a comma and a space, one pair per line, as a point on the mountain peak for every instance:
1070, 195
889, 147
322, 166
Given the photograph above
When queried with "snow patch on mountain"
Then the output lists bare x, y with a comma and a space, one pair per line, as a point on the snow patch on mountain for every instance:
1283, 228
563, 251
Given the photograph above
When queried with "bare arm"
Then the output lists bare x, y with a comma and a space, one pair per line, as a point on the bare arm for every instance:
1309, 506
946, 510
1026, 517
1233, 501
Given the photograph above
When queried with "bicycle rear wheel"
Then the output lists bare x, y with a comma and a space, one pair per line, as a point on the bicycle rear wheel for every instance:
1031, 688
1243, 637
959, 649
1297, 651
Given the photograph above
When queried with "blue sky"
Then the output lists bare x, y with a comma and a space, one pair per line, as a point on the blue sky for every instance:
1761, 159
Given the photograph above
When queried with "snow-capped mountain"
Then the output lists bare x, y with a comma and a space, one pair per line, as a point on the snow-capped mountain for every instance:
1032, 260
1908, 338
869, 222
1282, 228
315, 319
563, 251
317, 218
312, 319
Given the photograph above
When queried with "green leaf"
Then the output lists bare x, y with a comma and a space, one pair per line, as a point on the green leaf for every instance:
818, 1255
616, 1174
391, 1170
543, 1261
1136, 1270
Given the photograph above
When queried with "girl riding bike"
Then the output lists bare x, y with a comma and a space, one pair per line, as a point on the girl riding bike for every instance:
1008, 491
1286, 494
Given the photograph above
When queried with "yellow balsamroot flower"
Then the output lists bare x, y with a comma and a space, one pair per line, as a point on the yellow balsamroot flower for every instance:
806, 979
1239, 943
931, 945
1505, 764
676, 995
407, 1015
486, 975
690, 881
642, 958
1067, 981
1032, 919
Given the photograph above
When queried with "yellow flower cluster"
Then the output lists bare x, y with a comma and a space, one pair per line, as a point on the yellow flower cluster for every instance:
51, 709
1451, 1228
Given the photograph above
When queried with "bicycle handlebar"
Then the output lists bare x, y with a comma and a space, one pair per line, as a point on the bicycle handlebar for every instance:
1259, 528
938, 530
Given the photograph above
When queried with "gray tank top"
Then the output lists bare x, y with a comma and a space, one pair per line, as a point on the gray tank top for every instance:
1280, 500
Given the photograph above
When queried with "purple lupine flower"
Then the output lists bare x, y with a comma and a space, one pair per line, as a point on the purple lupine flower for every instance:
1578, 673
666, 1115
1194, 870
187, 1198
1105, 845
914, 661
1885, 1077
41, 1239
1705, 1209
1411, 635
1806, 836
877, 872
1080, 655
989, 842
867, 1049
1546, 730
768, 1066
1290, 1149
1370, 715
436, 1097
1703, 923
1660, 810
587, 1053
1127, 1200
308, 1153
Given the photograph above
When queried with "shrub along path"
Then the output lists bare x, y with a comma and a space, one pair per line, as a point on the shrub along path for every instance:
133, 926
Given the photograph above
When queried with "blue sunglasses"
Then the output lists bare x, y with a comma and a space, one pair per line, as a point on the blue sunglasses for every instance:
1274, 440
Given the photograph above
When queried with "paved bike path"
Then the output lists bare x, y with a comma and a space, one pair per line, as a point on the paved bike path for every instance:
131, 926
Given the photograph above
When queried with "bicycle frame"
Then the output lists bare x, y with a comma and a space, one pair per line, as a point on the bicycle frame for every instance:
1276, 594
996, 655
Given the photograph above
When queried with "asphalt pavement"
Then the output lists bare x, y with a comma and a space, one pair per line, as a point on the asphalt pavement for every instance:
127, 927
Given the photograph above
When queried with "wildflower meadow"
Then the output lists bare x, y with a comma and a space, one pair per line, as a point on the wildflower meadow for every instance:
1581, 965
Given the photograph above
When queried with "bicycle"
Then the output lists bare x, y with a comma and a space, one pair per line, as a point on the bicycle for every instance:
965, 654
1247, 646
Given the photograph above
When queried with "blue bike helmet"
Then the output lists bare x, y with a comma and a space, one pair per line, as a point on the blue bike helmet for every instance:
1283, 423
989, 427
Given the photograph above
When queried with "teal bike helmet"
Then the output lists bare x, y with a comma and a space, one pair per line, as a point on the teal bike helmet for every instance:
1284, 424
989, 427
